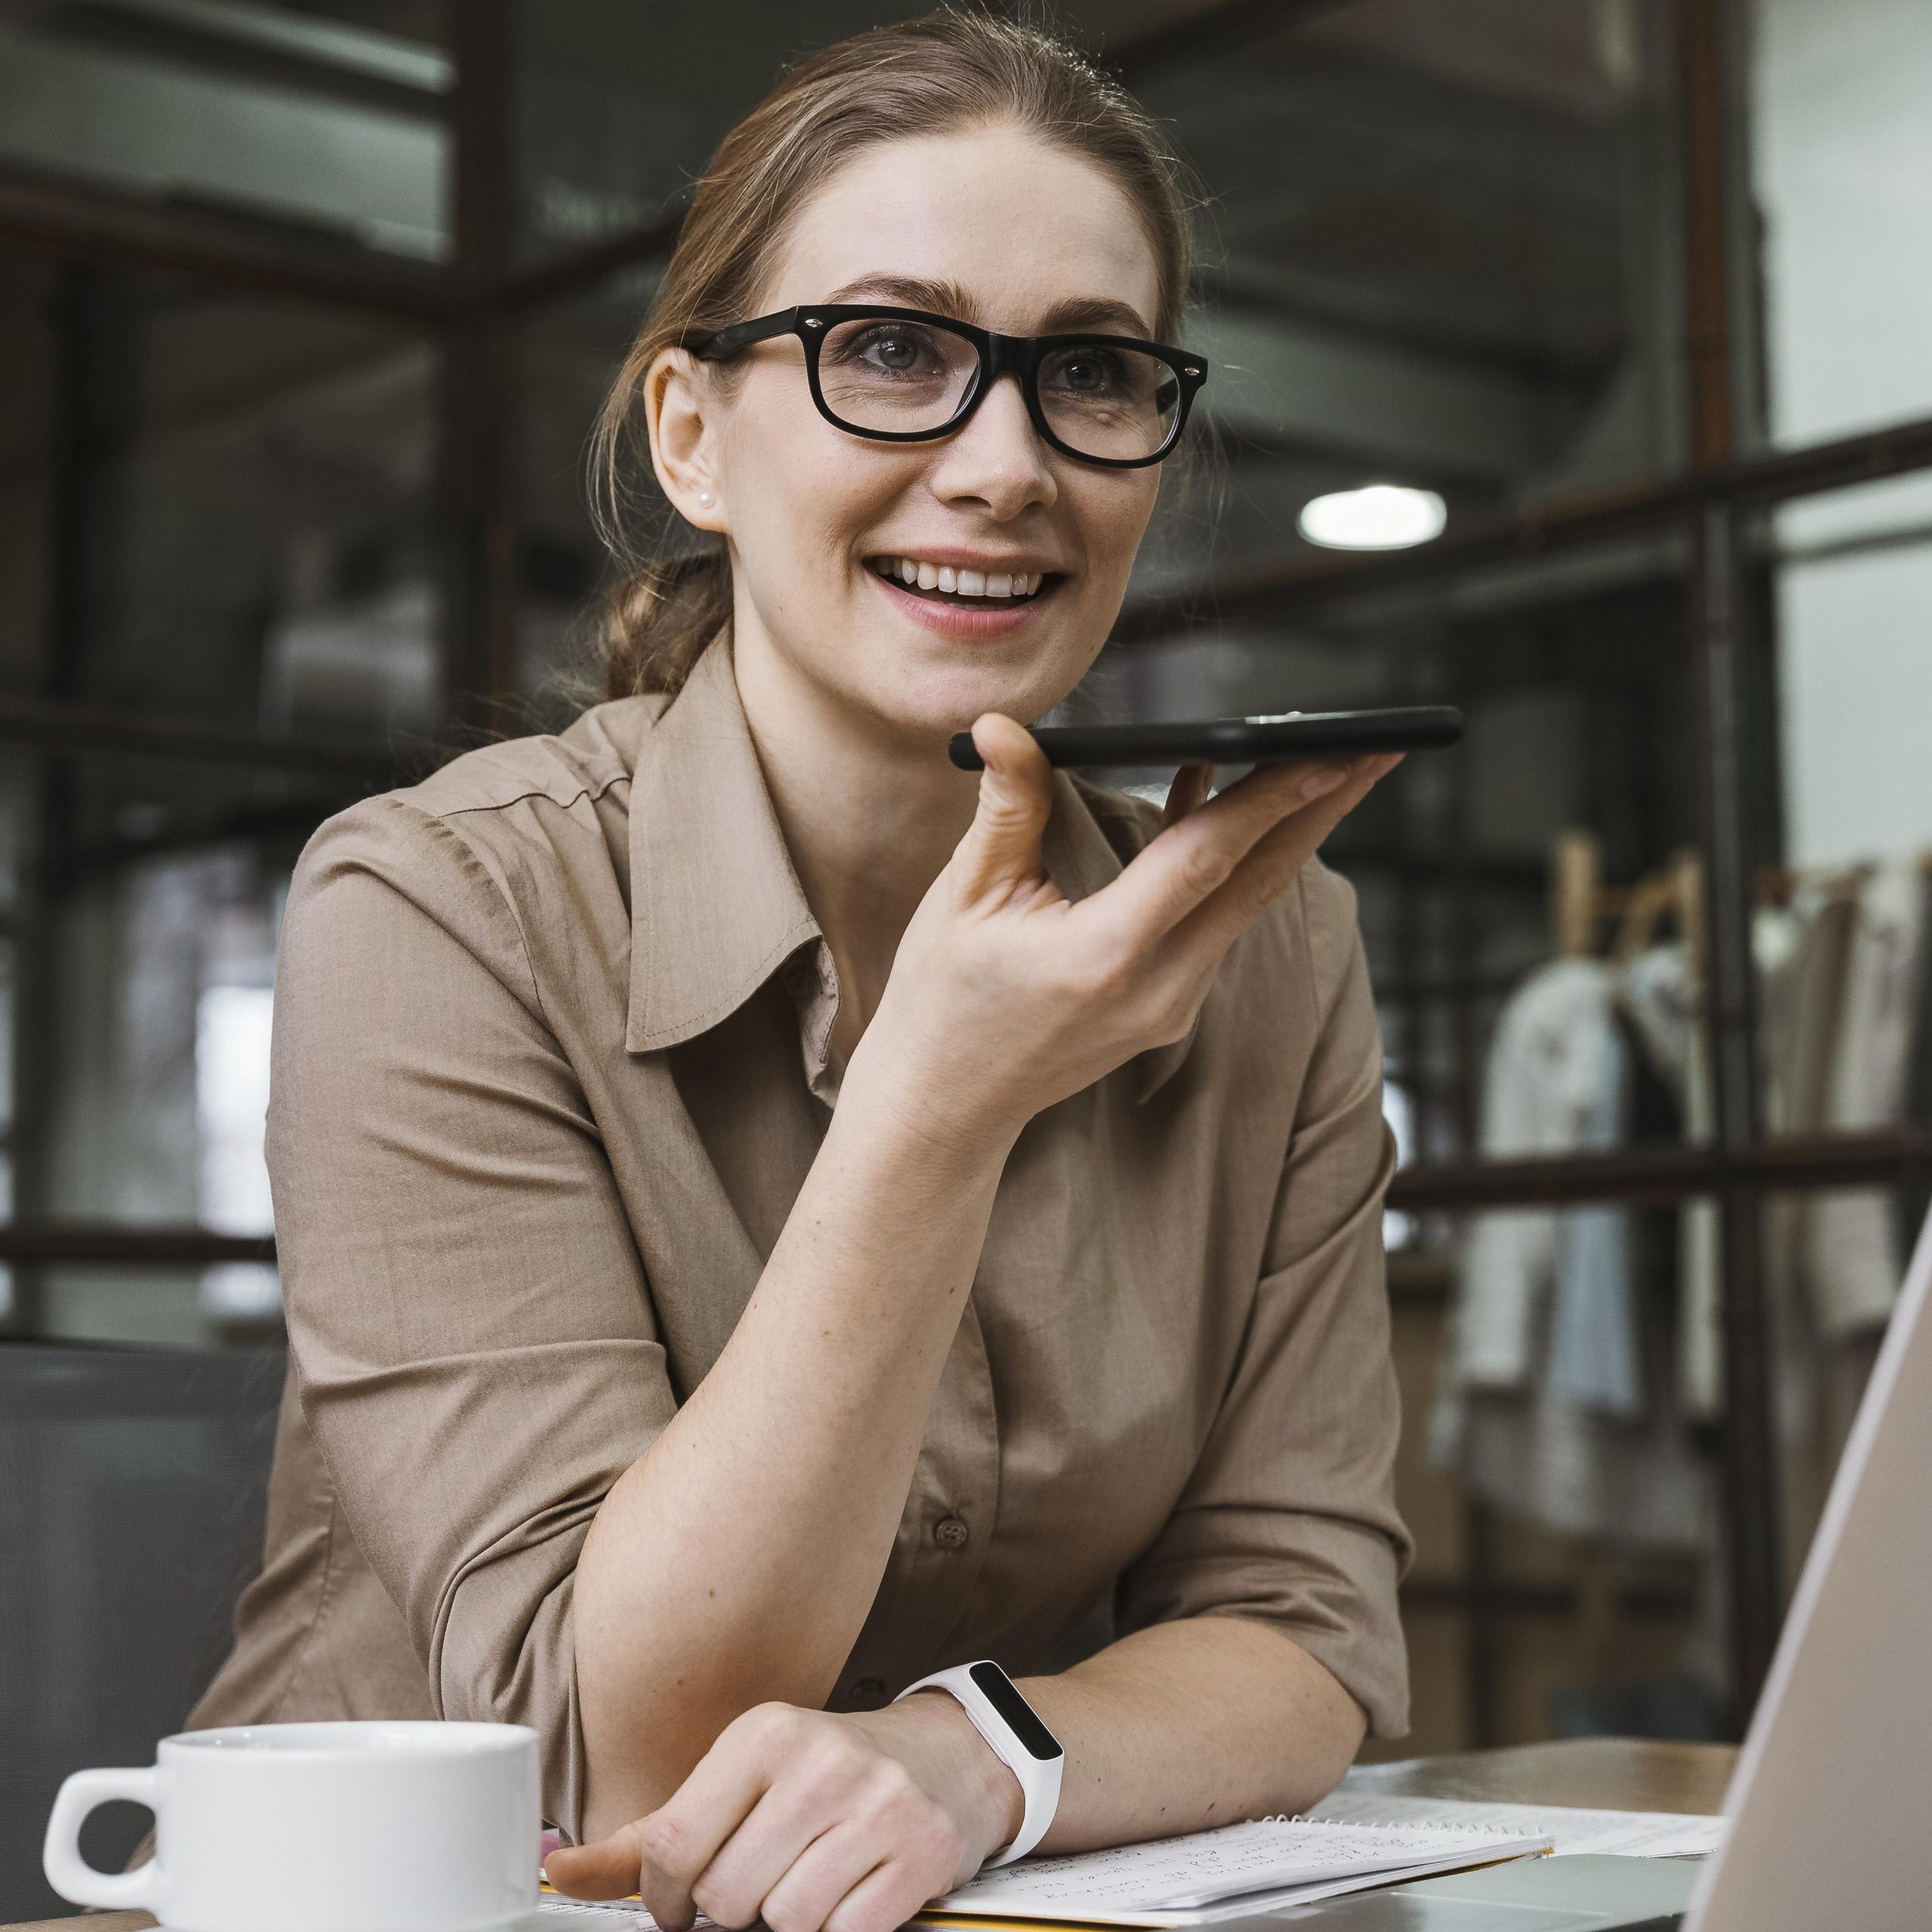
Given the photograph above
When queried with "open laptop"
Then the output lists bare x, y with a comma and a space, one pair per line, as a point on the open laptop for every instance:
1831, 1807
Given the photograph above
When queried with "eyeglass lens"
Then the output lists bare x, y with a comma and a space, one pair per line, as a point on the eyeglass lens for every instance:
901, 377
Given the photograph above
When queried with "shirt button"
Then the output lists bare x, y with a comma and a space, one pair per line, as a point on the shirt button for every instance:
950, 1533
869, 1693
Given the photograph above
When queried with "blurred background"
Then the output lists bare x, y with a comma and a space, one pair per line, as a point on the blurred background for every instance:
1569, 366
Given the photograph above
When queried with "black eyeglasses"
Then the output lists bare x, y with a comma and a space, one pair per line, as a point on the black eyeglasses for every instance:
903, 376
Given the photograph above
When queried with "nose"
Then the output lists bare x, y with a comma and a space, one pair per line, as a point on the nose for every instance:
996, 459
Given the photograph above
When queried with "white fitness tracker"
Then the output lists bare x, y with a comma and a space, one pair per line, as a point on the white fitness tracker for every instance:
1018, 1739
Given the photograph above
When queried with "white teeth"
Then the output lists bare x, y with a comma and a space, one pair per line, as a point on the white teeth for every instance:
961, 583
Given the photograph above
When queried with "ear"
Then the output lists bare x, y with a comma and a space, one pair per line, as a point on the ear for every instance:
680, 410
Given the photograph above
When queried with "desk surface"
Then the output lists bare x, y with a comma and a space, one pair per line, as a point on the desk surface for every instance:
1612, 1773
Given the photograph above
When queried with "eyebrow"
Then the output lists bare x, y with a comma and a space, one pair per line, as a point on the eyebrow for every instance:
949, 298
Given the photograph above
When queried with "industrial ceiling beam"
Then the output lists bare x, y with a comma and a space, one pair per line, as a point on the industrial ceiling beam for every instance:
59, 219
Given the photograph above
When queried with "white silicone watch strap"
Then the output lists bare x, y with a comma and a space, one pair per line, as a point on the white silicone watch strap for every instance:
1039, 1778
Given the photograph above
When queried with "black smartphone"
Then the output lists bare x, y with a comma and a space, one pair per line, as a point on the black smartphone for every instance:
1286, 734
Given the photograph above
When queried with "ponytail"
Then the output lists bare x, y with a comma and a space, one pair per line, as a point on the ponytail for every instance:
657, 623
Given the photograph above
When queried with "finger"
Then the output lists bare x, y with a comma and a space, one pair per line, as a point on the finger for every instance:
608, 1870
884, 1899
1189, 860
1274, 862
829, 1868
680, 1839
786, 1825
1002, 847
1191, 785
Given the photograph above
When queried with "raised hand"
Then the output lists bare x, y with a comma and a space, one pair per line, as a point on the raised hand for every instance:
1006, 997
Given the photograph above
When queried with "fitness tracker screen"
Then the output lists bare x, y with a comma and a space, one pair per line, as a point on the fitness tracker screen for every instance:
1020, 1718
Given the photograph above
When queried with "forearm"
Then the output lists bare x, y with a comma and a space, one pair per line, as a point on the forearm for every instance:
734, 1563
1189, 1724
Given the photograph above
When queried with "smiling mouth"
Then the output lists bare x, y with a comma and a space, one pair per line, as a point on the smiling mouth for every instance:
975, 590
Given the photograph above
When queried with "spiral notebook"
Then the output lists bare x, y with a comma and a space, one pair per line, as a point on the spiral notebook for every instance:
1228, 1873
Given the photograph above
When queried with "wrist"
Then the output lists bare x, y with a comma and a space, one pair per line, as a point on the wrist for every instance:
980, 1789
882, 1096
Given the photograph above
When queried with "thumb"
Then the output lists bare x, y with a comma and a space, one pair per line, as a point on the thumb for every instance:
609, 1868
1002, 846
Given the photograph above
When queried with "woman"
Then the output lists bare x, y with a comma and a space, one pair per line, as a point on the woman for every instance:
643, 1397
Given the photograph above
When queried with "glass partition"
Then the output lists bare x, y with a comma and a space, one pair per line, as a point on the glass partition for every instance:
1842, 165
142, 904
240, 527
619, 107
1442, 251
327, 125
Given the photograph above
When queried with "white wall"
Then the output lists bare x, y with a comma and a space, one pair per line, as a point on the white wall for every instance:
1842, 127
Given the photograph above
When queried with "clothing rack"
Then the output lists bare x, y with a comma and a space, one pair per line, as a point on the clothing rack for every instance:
1584, 911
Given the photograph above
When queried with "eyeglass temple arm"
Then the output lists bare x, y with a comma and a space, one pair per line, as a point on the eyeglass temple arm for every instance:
742, 335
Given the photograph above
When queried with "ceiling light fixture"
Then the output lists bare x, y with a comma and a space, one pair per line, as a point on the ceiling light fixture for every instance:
1380, 516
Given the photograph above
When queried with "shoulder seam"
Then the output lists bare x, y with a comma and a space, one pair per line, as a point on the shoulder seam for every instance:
584, 790
440, 820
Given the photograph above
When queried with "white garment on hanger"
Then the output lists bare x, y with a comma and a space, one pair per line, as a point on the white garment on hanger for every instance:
1556, 1083
1658, 991
1850, 1259
1542, 1402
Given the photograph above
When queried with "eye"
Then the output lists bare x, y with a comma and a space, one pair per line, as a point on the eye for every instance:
894, 352
889, 349
1093, 372
1087, 369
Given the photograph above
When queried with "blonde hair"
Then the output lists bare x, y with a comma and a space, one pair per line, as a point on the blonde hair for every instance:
948, 70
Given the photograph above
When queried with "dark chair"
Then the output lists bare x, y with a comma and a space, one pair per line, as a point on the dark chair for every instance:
132, 1487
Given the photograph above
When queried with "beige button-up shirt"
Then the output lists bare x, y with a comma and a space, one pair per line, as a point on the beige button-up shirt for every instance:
551, 1064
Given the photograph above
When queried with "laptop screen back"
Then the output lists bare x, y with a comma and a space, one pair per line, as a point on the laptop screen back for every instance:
1831, 1803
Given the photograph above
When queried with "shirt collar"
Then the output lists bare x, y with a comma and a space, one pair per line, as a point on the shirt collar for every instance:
717, 908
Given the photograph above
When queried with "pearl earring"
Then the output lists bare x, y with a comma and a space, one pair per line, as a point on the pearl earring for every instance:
705, 497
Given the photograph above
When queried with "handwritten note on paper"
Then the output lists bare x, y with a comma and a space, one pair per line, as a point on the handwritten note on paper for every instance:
1176, 1875
1570, 1828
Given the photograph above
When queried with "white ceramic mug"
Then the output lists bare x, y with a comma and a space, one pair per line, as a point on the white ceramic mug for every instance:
352, 1827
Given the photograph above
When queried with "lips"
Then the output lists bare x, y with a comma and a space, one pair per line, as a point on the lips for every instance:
967, 620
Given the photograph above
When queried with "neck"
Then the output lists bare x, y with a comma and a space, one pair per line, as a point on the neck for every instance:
870, 816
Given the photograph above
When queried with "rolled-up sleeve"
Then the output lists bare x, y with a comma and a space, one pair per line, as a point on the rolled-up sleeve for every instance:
468, 1314
1289, 1518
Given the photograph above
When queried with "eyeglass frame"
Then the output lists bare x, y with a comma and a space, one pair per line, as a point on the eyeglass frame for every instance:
1017, 355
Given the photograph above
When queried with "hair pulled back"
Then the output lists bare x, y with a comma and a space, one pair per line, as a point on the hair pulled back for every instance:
948, 70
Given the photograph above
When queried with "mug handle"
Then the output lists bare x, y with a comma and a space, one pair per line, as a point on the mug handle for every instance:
68, 1873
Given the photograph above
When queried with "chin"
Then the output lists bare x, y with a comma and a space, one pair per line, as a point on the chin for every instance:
933, 687
933, 700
